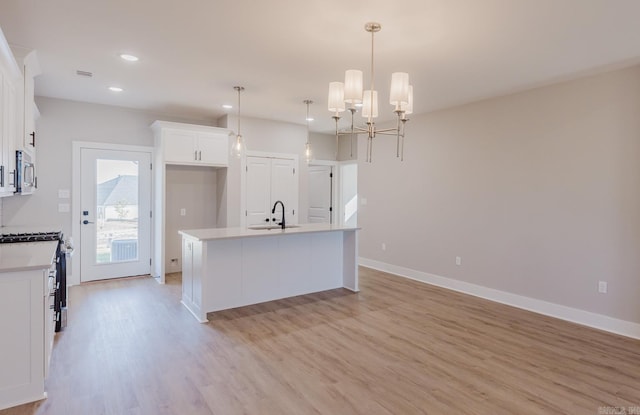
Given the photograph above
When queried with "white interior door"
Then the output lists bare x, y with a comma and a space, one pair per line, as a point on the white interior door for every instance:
320, 191
115, 197
284, 185
258, 190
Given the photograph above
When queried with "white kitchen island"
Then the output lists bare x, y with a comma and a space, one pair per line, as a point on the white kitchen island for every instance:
225, 268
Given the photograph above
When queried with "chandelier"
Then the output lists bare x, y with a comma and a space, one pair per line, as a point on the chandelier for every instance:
351, 92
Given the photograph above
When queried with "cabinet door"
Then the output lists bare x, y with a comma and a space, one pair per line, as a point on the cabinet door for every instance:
180, 146
4, 131
258, 190
284, 187
29, 111
213, 149
187, 270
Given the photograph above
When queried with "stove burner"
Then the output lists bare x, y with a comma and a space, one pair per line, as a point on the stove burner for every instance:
30, 237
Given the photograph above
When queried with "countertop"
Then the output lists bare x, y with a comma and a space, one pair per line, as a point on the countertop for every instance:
27, 256
234, 233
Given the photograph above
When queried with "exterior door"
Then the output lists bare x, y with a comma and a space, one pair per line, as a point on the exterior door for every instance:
115, 197
320, 191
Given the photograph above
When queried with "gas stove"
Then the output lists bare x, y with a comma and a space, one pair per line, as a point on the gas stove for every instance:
30, 237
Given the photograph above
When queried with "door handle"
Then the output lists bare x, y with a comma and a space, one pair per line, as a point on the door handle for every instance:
86, 222
266, 220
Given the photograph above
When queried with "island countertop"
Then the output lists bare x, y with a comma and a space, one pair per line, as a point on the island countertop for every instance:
234, 233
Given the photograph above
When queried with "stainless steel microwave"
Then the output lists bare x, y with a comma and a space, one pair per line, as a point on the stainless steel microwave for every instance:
26, 180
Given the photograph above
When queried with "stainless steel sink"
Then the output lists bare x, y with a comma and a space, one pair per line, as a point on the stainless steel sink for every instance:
270, 227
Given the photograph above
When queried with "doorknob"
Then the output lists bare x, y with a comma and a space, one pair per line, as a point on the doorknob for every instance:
86, 222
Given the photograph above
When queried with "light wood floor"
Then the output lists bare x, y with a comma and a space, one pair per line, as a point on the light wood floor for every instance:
397, 347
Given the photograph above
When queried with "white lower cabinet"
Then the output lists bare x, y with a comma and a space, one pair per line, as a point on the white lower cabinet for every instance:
27, 335
229, 272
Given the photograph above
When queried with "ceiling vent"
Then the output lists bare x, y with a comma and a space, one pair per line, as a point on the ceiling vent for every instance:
84, 73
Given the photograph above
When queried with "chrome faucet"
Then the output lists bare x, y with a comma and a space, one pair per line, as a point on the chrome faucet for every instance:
274, 211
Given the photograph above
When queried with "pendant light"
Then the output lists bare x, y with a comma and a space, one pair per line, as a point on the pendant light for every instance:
238, 147
308, 154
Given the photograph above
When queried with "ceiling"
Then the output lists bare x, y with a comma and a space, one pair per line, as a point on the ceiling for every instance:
192, 52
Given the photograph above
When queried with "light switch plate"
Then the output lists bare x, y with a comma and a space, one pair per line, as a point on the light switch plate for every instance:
64, 193
64, 207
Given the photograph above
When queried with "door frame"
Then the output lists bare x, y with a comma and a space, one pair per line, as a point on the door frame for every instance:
243, 178
335, 172
76, 168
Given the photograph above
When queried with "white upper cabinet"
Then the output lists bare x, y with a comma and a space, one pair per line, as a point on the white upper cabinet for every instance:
28, 63
192, 144
10, 116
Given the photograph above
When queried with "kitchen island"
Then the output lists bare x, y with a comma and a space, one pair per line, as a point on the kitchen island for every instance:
225, 268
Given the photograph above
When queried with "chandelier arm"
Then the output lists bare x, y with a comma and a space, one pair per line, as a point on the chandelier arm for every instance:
388, 131
352, 110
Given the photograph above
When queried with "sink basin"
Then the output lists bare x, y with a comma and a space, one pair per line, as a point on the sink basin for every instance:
270, 227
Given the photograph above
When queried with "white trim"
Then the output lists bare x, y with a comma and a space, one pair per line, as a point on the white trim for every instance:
574, 315
74, 277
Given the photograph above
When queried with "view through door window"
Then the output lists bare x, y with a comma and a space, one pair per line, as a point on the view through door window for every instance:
117, 211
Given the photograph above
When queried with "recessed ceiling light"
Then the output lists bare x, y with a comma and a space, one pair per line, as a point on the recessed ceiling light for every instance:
115, 89
227, 106
359, 104
310, 119
128, 57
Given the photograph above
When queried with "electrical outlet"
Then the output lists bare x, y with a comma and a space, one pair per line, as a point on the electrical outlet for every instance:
183, 212
458, 260
384, 246
602, 287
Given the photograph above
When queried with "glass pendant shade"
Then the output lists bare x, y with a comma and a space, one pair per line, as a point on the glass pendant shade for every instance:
399, 94
370, 104
308, 154
353, 86
336, 97
238, 147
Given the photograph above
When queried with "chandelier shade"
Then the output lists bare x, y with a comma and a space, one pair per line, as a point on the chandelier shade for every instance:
370, 104
336, 97
399, 89
353, 86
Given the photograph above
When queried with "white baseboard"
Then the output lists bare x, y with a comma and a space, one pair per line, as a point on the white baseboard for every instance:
574, 315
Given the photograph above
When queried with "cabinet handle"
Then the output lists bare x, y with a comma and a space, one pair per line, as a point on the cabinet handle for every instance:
33, 138
195, 155
200, 155
1, 176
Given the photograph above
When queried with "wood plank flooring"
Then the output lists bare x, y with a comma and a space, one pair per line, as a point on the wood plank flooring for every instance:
397, 347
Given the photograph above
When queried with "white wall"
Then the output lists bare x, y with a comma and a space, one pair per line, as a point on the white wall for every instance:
537, 192
277, 137
193, 189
